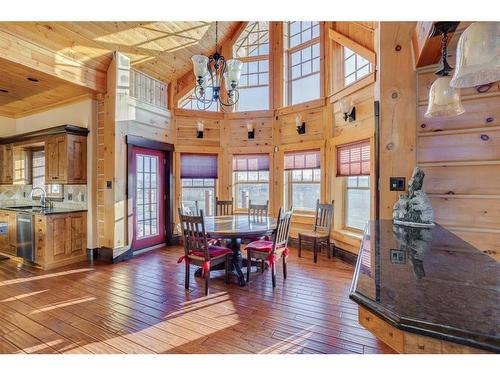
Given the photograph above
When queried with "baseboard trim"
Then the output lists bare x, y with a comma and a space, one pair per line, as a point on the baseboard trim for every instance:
338, 252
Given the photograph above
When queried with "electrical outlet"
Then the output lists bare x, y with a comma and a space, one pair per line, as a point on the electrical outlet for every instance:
70, 196
397, 183
109, 184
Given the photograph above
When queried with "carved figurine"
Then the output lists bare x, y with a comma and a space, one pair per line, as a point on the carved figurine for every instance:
414, 208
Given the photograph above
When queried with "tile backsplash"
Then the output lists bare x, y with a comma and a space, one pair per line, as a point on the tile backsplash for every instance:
75, 196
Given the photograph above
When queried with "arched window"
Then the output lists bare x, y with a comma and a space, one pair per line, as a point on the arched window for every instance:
252, 48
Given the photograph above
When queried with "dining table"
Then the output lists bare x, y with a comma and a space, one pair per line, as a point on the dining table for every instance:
235, 229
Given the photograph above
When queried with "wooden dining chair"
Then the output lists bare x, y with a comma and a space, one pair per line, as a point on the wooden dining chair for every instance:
272, 251
198, 251
224, 208
320, 235
257, 212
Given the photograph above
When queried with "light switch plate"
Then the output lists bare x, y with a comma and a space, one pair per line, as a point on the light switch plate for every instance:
397, 183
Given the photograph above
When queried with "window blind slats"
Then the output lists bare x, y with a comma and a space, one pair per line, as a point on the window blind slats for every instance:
309, 159
245, 163
353, 159
198, 166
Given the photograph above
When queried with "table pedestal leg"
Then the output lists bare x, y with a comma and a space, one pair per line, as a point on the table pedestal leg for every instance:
237, 260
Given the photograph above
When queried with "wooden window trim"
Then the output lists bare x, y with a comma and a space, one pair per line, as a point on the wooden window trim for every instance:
345, 227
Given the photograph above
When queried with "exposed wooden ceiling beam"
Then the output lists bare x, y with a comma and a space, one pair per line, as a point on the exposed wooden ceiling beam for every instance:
353, 45
427, 50
23, 52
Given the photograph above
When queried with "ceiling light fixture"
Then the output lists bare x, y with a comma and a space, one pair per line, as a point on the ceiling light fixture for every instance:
478, 55
444, 100
218, 71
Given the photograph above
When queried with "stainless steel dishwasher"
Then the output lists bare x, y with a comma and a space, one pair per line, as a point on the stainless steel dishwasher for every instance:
25, 236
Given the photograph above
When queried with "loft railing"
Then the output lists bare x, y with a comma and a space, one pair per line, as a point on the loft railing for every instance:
147, 89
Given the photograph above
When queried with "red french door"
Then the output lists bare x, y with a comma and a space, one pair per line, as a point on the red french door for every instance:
147, 168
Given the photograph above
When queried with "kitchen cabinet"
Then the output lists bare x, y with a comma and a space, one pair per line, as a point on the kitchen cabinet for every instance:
8, 242
60, 239
66, 159
6, 164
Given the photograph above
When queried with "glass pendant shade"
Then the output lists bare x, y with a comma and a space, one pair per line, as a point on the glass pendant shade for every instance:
227, 81
200, 65
444, 100
234, 70
478, 55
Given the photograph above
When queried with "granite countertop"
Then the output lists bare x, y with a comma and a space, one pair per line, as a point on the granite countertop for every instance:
43, 211
429, 282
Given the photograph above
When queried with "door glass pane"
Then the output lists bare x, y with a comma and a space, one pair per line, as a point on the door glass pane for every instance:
147, 200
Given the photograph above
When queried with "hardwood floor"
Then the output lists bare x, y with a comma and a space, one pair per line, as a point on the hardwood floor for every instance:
141, 306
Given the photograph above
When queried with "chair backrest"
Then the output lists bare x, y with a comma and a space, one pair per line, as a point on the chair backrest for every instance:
193, 231
282, 229
223, 208
257, 212
324, 217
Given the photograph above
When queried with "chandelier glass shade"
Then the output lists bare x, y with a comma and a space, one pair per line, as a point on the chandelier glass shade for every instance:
478, 55
444, 100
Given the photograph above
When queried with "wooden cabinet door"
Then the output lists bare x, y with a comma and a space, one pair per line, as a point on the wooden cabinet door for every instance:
77, 234
77, 159
40, 235
56, 159
57, 232
6, 163
4, 239
66, 236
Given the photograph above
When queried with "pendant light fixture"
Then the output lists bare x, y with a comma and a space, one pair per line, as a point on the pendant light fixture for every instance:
478, 55
444, 100
219, 71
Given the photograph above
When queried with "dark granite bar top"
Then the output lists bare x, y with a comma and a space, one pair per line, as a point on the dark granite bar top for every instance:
35, 210
430, 282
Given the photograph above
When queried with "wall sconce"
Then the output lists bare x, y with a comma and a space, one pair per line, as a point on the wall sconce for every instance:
199, 129
348, 109
250, 130
301, 125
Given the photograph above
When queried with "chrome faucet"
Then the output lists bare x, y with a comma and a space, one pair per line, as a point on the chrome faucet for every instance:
43, 198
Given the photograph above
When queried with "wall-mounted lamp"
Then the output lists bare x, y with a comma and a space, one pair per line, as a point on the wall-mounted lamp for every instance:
301, 125
199, 129
348, 109
250, 130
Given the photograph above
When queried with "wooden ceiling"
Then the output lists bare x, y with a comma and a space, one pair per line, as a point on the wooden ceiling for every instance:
25, 96
160, 49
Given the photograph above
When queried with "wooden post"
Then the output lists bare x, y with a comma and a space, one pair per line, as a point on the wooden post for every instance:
396, 90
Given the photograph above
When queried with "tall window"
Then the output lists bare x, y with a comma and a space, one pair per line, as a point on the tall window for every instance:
38, 176
251, 179
355, 67
353, 163
198, 177
302, 61
302, 180
191, 102
252, 48
357, 202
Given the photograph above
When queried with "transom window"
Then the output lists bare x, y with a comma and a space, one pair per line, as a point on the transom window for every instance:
302, 61
357, 202
147, 202
252, 48
355, 67
250, 179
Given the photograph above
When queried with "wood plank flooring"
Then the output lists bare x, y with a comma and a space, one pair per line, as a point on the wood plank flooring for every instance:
141, 306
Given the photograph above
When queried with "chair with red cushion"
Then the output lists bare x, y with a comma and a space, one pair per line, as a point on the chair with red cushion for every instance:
272, 251
198, 251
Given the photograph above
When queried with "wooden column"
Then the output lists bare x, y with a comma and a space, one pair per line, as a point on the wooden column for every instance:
396, 90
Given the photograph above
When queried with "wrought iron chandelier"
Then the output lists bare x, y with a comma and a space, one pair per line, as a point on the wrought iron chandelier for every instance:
216, 71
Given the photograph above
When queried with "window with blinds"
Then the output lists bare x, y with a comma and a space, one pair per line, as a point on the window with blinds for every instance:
198, 177
251, 179
353, 159
302, 180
